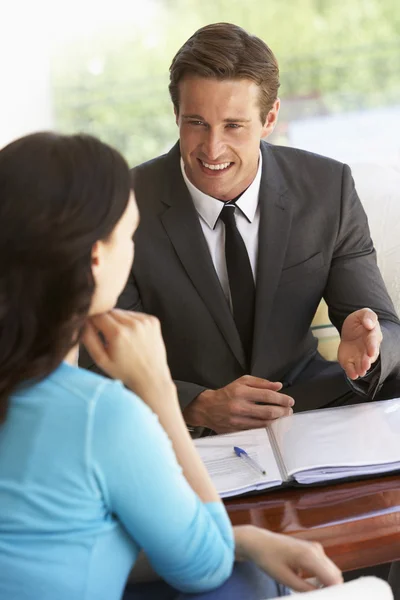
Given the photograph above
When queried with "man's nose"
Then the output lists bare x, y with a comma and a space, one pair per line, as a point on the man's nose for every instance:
213, 145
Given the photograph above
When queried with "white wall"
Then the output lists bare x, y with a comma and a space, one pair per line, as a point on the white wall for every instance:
371, 135
25, 94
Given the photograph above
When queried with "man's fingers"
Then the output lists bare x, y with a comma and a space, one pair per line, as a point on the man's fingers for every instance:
368, 323
369, 318
275, 386
269, 412
372, 350
361, 364
365, 364
241, 422
373, 343
260, 383
358, 366
350, 370
267, 397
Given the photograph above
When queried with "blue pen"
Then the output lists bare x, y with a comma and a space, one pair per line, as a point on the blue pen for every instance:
250, 461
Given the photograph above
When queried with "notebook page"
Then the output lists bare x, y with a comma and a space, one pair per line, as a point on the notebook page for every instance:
231, 475
340, 442
364, 588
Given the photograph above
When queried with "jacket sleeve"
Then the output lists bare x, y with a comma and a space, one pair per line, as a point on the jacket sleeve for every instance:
355, 282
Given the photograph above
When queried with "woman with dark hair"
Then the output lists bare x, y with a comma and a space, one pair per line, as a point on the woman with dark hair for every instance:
90, 473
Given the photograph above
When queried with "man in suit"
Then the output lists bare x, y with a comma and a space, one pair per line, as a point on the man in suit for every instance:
236, 293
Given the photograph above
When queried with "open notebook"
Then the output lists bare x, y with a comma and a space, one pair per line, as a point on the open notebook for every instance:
308, 448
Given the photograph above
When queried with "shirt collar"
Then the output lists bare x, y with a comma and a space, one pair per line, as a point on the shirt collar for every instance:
209, 208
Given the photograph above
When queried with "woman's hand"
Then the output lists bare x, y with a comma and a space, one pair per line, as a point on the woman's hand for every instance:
133, 350
286, 558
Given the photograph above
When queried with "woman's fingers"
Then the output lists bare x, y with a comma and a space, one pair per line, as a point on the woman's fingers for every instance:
311, 559
127, 346
94, 345
315, 561
106, 324
291, 579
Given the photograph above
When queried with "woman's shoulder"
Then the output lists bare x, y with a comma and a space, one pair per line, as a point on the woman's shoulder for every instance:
79, 382
93, 388
102, 399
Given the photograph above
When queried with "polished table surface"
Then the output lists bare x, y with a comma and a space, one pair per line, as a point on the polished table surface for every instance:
358, 522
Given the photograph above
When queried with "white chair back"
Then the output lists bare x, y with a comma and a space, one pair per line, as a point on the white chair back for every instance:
379, 189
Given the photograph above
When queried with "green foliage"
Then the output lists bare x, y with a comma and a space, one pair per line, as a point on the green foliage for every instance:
334, 56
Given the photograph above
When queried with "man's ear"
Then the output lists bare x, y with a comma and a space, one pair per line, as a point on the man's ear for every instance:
176, 113
271, 119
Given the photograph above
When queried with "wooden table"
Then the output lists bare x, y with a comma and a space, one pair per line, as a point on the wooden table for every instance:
358, 523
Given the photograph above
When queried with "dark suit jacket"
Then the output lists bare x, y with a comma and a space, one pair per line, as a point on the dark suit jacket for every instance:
314, 242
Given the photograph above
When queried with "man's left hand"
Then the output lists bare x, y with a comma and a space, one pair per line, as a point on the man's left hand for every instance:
360, 342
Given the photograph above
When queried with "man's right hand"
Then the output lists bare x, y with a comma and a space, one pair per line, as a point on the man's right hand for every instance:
237, 405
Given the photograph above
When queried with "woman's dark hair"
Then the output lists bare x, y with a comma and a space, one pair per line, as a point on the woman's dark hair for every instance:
58, 196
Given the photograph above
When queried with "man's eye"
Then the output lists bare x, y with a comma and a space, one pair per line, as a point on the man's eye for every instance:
234, 126
196, 123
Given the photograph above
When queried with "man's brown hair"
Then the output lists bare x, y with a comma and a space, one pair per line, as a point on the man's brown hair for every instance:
226, 51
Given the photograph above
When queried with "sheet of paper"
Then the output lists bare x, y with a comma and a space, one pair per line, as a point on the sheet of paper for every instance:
340, 442
364, 588
231, 474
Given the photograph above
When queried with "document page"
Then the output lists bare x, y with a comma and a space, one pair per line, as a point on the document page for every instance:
328, 444
233, 475
363, 588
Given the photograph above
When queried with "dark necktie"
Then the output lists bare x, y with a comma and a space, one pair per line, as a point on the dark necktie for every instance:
241, 281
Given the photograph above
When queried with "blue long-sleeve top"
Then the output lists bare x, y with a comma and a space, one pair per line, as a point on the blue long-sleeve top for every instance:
88, 478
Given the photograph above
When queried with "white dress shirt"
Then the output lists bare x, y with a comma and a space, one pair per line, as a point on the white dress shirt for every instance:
247, 222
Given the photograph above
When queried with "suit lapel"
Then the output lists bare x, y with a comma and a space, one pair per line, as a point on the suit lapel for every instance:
274, 230
183, 228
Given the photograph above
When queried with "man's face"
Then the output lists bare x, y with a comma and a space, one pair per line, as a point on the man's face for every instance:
220, 131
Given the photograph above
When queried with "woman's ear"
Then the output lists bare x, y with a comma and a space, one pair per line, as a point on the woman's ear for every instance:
99, 274
96, 259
